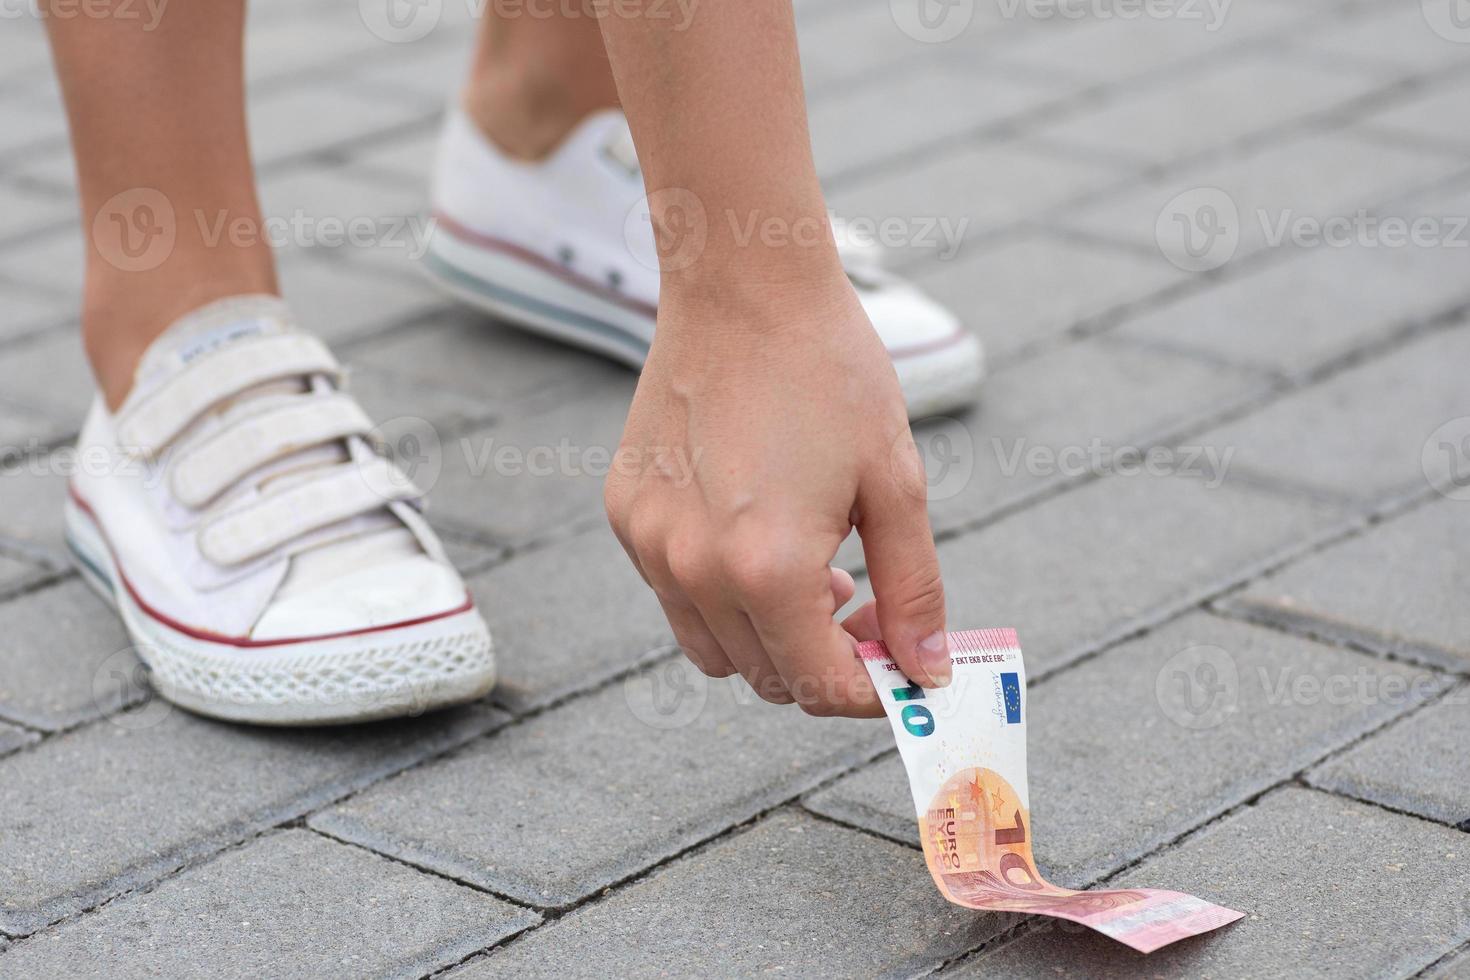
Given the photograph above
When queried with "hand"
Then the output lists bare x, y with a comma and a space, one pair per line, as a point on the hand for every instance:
765, 432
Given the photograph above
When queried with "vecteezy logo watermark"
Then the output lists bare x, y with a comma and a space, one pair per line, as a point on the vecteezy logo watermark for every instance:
1198, 687
135, 230
947, 454
1210, 13
412, 445
400, 21
1209, 464
1445, 459
1199, 230
406, 21
123, 679
1450, 19
932, 21
667, 229
668, 695
410, 233
148, 13
1363, 230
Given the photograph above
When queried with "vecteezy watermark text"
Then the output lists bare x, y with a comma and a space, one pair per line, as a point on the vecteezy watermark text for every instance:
1207, 463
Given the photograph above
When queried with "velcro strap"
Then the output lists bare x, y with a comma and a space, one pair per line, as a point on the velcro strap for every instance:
263, 526
147, 428
249, 443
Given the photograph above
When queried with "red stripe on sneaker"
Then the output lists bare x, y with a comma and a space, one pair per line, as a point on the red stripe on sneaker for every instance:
473, 237
196, 633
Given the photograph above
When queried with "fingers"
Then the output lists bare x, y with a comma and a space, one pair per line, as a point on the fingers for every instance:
695, 638
790, 606
893, 521
863, 624
843, 589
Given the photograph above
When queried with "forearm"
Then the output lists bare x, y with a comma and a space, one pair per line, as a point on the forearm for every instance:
718, 113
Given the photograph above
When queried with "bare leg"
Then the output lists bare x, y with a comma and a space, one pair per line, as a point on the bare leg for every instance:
535, 76
766, 374
164, 110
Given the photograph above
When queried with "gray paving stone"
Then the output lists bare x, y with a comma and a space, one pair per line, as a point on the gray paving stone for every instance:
12, 738
1358, 296
49, 373
291, 903
25, 314
591, 792
64, 658
1394, 35
1438, 115
966, 193
1211, 107
1344, 437
1453, 967
1039, 421
1419, 764
898, 111
1031, 289
1330, 888
477, 356
524, 478
568, 616
1112, 49
15, 573
317, 39
341, 301
428, 74
22, 434
301, 120
1312, 177
31, 495
791, 894
398, 404
50, 263
1090, 566
25, 213
1418, 611
405, 161
129, 800
1175, 754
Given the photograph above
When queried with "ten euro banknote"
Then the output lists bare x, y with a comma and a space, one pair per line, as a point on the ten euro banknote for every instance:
964, 747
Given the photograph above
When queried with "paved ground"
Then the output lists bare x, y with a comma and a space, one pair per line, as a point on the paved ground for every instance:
1183, 236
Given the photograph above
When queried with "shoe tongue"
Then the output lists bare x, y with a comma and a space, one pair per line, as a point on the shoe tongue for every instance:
211, 328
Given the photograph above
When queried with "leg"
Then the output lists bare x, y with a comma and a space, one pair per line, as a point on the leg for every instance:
765, 373
161, 109
536, 75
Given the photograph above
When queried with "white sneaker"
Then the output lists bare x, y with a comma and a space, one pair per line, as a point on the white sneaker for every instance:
270, 566
564, 247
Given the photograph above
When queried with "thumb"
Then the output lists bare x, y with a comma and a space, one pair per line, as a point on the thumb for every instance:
893, 522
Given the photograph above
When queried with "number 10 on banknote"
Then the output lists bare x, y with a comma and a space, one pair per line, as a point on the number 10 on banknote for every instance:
964, 747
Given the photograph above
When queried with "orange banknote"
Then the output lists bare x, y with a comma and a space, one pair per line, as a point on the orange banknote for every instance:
964, 747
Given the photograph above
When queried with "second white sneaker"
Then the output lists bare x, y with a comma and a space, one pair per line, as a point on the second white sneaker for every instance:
269, 565
563, 247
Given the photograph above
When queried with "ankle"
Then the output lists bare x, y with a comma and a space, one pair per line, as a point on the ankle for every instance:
123, 313
526, 113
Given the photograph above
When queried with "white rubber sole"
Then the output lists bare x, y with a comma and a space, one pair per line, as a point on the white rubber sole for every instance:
386, 673
537, 299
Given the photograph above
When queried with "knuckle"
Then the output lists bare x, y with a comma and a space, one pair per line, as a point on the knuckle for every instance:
756, 571
688, 561
644, 534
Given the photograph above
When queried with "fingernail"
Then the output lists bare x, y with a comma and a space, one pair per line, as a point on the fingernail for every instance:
934, 658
